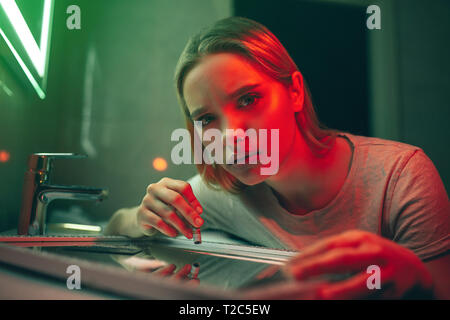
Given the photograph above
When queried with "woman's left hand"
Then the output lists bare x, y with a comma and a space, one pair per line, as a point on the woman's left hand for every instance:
353, 251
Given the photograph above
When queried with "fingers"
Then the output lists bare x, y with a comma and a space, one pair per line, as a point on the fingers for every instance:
347, 239
352, 288
355, 251
148, 220
170, 206
168, 215
175, 200
173, 193
336, 261
185, 190
166, 271
183, 272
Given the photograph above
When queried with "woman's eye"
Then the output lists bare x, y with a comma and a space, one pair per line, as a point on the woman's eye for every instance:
247, 100
206, 119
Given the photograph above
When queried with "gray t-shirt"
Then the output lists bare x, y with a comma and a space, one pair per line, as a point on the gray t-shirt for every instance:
392, 189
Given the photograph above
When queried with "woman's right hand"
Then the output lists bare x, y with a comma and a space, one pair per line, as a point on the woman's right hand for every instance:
169, 206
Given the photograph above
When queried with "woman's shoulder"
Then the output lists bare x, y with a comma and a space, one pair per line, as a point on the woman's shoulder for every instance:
380, 161
373, 151
380, 144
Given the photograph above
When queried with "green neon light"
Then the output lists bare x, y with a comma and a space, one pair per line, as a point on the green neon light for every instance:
37, 54
30, 77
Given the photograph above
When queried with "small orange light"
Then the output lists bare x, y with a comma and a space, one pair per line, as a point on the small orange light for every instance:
4, 156
159, 164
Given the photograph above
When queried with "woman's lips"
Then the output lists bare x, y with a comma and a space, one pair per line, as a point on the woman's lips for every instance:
245, 158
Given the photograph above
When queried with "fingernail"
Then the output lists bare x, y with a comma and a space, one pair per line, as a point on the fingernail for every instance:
198, 221
189, 235
199, 209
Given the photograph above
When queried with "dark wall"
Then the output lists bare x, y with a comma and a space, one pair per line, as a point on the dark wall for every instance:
405, 99
424, 77
328, 43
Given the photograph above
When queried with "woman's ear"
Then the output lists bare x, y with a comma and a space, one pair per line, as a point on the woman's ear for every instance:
297, 91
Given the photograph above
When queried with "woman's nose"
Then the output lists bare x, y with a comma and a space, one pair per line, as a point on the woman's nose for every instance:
239, 141
233, 144
233, 133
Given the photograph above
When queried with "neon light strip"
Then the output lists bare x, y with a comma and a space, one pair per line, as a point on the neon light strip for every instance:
36, 54
46, 36
30, 77
45, 31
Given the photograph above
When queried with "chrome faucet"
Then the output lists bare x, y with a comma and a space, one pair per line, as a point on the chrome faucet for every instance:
38, 192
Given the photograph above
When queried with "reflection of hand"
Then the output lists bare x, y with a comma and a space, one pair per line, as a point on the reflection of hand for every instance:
183, 274
353, 251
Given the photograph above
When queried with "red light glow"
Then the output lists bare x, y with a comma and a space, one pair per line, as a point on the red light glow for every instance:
4, 156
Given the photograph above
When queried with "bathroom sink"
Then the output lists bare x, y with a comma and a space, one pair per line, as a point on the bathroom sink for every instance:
155, 268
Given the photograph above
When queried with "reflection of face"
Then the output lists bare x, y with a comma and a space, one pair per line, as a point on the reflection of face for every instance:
225, 91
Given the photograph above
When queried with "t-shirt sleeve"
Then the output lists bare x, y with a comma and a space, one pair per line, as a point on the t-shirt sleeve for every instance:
419, 214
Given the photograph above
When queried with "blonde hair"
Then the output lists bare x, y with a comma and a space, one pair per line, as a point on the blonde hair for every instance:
256, 43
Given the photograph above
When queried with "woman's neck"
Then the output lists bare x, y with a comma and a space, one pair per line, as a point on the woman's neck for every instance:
307, 182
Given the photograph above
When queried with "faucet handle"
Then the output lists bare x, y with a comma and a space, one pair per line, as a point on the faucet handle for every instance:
40, 164
43, 161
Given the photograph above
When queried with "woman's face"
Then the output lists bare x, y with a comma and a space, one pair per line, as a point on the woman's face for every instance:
226, 92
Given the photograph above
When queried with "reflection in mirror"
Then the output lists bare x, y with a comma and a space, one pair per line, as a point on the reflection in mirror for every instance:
216, 265
226, 271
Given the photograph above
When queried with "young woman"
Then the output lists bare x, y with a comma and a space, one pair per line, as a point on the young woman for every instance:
345, 202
